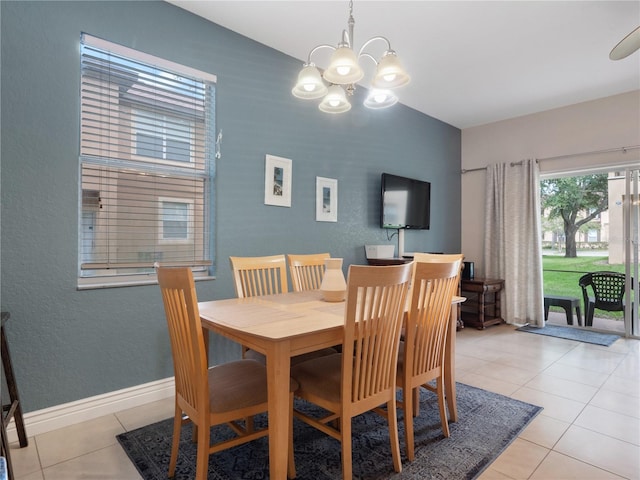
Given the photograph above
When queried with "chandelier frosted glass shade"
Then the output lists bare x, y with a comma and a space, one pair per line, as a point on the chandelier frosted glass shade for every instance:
343, 68
380, 99
309, 85
335, 101
389, 72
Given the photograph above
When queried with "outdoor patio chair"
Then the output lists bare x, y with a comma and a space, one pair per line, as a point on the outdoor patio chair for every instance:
607, 292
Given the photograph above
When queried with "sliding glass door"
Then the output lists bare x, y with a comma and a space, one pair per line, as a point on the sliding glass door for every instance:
591, 225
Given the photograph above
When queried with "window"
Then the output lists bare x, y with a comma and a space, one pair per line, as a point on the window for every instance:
175, 221
162, 137
146, 163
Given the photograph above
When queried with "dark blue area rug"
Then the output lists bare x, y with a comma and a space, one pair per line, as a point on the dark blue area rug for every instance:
487, 424
572, 333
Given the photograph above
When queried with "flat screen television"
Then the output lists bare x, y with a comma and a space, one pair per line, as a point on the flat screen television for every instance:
405, 203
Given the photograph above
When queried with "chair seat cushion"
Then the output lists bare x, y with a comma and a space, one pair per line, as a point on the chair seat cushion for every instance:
259, 357
320, 376
239, 384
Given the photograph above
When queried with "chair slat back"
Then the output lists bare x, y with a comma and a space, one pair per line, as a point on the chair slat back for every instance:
376, 299
307, 271
436, 258
428, 320
187, 340
257, 276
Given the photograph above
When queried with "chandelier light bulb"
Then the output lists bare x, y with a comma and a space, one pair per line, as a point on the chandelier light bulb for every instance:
378, 99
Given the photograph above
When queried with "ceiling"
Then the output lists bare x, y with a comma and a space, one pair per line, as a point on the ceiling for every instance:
471, 62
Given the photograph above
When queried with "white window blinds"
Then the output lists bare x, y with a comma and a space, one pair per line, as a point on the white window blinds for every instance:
146, 157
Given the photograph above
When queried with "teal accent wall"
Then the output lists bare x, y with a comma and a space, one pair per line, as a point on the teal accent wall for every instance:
68, 344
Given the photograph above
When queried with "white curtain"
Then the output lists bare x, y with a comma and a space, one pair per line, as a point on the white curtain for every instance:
512, 242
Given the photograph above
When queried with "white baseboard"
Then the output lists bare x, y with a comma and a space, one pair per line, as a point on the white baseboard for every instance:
52, 418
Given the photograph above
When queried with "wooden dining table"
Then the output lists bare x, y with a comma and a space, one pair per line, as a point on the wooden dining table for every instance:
289, 324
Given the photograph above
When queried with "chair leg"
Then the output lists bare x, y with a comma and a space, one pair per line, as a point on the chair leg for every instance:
408, 409
347, 459
416, 401
175, 443
588, 318
392, 418
202, 455
442, 406
249, 424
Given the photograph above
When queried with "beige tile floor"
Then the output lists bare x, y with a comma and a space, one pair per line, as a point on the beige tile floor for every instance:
589, 428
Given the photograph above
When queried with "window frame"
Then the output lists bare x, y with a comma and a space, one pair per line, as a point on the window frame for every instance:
200, 166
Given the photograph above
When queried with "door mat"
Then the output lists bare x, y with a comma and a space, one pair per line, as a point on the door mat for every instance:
572, 333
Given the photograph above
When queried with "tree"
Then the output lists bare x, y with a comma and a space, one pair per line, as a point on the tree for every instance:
575, 200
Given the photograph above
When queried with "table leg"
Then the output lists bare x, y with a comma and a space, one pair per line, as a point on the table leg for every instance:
278, 374
450, 367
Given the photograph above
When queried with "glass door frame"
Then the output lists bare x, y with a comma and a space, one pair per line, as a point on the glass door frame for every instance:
631, 232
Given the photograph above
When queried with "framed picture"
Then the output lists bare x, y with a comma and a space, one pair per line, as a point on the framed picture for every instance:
326, 199
277, 181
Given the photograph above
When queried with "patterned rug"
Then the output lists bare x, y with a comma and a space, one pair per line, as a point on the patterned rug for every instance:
572, 333
487, 424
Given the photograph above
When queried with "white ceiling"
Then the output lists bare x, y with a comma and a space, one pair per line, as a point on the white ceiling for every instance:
471, 62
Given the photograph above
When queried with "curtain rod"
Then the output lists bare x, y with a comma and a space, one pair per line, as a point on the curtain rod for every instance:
569, 155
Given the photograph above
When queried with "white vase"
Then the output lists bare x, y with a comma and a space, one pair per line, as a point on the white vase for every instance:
333, 286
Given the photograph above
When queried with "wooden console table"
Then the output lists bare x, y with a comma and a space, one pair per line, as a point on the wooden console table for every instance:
388, 261
482, 307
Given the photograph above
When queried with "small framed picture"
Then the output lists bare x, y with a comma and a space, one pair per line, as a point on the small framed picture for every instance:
277, 181
326, 199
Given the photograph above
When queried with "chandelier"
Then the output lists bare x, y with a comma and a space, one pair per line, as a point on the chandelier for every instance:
344, 72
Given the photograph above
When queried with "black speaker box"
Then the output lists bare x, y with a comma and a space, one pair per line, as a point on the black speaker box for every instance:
467, 271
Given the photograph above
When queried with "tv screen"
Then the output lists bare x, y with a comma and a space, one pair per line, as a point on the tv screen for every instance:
405, 202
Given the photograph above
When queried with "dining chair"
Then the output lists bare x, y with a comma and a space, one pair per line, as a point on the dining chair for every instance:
422, 352
439, 258
435, 258
604, 291
363, 376
258, 276
306, 271
209, 396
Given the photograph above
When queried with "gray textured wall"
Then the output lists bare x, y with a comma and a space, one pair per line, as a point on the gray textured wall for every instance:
68, 344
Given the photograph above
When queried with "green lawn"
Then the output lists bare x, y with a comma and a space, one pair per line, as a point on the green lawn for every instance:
561, 277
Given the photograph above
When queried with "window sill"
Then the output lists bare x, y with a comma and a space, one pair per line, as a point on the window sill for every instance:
96, 285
